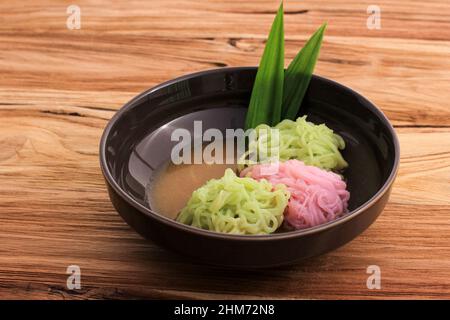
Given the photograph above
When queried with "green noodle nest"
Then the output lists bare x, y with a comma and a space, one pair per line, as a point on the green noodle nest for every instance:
236, 205
315, 145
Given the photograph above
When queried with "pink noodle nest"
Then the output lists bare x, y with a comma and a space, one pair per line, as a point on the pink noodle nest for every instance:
317, 196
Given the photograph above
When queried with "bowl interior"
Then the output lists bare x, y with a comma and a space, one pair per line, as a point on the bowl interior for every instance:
139, 139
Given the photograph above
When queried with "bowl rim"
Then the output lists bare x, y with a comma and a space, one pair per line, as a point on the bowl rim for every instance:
269, 237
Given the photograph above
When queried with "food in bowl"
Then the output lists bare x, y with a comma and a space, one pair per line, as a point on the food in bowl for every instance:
250, 203
135, 157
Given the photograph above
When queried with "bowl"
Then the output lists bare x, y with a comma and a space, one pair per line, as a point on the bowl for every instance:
137, 141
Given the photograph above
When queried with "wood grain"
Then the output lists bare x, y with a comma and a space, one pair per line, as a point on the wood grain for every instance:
59, 87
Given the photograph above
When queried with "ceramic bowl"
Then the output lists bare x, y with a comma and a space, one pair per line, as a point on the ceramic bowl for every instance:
137, 140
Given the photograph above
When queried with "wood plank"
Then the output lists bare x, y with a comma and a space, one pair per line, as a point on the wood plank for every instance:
124, 49
57, 173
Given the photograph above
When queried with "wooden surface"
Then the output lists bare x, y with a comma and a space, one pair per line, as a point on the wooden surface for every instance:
59, 87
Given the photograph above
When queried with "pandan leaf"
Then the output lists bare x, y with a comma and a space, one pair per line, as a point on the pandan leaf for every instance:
267, 94
299, 73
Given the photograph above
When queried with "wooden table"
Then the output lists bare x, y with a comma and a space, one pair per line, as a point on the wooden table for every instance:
59, 87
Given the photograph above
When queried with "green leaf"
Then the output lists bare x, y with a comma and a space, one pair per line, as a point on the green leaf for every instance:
267, 94
299, 73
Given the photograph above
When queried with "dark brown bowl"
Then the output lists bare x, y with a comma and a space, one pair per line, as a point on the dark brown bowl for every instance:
137, 140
